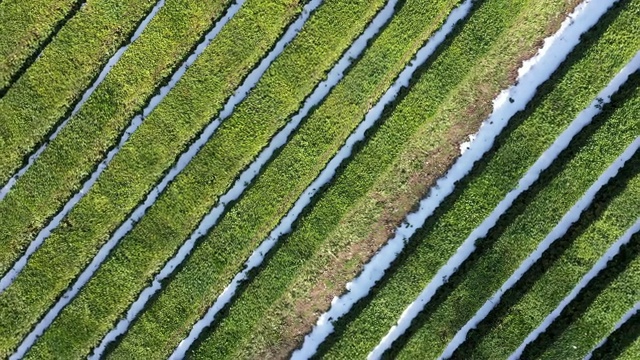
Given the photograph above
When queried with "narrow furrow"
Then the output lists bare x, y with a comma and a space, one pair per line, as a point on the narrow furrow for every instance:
56, 81
326, 176
20, 48
593, 307
69, 248
533, 73
562, 264
532, 176
624, 341
334, 238
169, 318
11, 275
148, 262
246, 178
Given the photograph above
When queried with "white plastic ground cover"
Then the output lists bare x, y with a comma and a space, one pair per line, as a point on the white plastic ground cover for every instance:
10, 276
532, 73
321, 91
635, 309
110, 64
595, 270
559, 230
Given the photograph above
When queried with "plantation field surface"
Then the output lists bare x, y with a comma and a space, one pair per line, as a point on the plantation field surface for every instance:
19, 48
50, 87
341, 179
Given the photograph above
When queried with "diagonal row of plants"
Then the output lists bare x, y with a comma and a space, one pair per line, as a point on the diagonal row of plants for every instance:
595, 311
155, 145
603, 51
250, 220
570, 257
58, 172
422, 103
518, 232
229, 145
46, 92
19, 48
623, 342
415, 140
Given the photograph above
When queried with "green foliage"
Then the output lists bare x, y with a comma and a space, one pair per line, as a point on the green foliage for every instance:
276, 97
19, 49
58, 173
595, 311
47, 91
220, 255
382, 175
570, 90
543, 287
158, 140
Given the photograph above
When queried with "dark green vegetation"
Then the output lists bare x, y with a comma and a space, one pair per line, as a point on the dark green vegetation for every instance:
543, 287
595, 311
520, 229
622, 343
19, 48
413, 143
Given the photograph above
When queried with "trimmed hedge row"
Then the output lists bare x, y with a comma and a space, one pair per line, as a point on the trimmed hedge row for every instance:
27, 27
47, 91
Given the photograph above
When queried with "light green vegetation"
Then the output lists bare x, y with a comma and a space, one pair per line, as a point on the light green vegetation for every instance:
142, 161
26, 27
68, 160
46, 92
572, 88
447, 71
160, 232
544, 286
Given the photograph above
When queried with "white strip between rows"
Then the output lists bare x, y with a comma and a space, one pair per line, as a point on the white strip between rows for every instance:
533, 73
135, 123
468, 247
595, 270
247, 177
10, 276
559, 230
633, 311
107, 68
